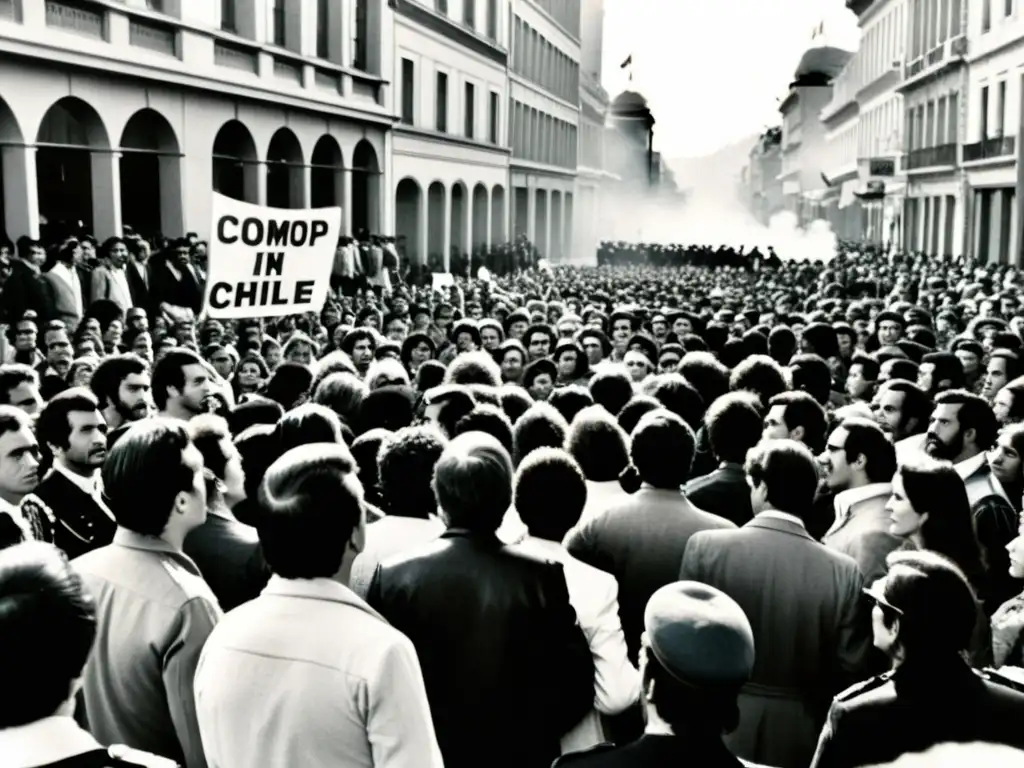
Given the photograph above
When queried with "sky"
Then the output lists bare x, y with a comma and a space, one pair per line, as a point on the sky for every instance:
713, 70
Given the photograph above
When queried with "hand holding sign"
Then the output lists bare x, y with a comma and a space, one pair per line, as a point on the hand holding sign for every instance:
269, 262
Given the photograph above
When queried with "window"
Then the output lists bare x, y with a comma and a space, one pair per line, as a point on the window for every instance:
986, 15
279, 22
469, 110
1000, 109
441, 106
227, 16
492, 133
469, 13
323, 47
442, 7
1008, 10
492, 19
408, 91
983, 113
360, 33
158, 6
953, 134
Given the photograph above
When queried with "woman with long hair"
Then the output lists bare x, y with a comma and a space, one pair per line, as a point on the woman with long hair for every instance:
929, 508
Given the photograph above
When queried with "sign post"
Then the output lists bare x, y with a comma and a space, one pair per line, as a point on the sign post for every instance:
269, 262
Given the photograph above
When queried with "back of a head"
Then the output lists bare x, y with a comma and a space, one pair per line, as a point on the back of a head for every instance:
516, 401
611, 389
811, 374
312, 504
288, 383
761, 375
570, 400
661, 449
147, 462
256, 411
598, 444
489, 419
308, 423
540, 426
788, 471
366, 451
343, 393
405, 465
473, 483
550, 493
47, 628
678, 395
430, 374
632, 411
733, 426
706, 373
473, 368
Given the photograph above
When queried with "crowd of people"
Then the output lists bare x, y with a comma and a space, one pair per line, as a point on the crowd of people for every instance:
711, 511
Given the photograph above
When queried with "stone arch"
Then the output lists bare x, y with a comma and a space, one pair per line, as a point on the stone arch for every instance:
365, 203
408, 219
498, 234
437, 194
480, 217
459, 220
327, 182
17, 217
285, 170
150, 169
235, 163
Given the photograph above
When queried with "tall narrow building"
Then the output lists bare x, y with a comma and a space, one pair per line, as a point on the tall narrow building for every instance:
591, 172
544, 116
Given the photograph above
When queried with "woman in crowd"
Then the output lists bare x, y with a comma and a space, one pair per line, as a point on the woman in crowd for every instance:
250, 374
511, 356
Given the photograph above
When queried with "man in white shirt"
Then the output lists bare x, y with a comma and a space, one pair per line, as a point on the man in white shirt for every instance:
307, 673
19, 475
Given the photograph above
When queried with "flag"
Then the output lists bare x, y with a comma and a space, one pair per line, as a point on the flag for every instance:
627, 62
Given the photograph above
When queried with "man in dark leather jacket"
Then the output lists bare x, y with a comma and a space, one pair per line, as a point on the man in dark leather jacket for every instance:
507, 669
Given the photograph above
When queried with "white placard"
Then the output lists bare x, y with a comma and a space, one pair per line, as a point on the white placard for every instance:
269, 262
441, 280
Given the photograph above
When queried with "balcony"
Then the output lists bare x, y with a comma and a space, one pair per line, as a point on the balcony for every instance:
931, 158
934, 62
990, 149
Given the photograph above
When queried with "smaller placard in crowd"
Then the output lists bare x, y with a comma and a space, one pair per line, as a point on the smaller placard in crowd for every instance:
269, 262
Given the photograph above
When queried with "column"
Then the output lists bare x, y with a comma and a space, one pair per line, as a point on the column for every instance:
489, 242
422, 228
467, 223
106, 194
21, 193
531, 210
259, 179
943, 213
346, 202
446, 227
306, 196
995, 218
546, 250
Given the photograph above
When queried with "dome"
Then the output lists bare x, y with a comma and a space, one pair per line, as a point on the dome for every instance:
826, 60
629, 101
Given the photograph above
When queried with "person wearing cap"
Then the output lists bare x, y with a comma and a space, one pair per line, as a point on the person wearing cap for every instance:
803, 601
930, 695
697, 651
890, 327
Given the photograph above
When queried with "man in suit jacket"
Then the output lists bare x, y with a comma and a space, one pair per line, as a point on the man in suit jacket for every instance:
733, 427
137, 272
23, 290
110, 279
507, 669
804, 603
62, 287
859, 463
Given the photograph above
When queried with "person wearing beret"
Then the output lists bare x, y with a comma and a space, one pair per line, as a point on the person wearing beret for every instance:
930, 695
697, 651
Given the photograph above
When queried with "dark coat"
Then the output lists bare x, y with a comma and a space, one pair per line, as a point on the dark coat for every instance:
79, 523
504, 660
916, 707
651, 751
22, 291
641, 543
178, 292
230, 558
139, 288
724, 492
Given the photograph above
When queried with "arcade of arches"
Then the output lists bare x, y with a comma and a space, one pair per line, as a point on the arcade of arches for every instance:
72, 169
441, 219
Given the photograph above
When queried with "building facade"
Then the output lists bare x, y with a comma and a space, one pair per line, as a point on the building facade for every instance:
840, 117
451, 158
544, 115
117, 114
763, 186
990, 153
934, 86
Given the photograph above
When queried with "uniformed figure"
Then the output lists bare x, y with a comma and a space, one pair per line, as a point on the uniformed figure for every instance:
696, 653
923, 620
47, 628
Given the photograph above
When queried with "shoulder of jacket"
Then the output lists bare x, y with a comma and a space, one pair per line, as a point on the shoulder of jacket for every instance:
190, 584
997, 677
524, 553
32, 503
865, 686
126, 757
573, 757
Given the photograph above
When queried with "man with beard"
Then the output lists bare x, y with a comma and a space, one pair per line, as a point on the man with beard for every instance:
182, 385
19, 475
962, 428
69, 497
121, 385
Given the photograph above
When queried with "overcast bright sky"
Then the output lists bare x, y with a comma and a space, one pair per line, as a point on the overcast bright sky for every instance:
712, 70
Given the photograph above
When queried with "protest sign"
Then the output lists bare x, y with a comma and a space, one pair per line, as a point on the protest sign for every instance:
441, 280
269, 262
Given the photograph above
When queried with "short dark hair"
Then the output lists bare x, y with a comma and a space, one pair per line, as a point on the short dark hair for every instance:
308, 423
916, 403
661, 449
975, 413
866, 438
787, 469
761, 375
541, 425
473, 368
868, 365
208, 432
44, 607
311, 503
490, 419
570, 400
678, 395
12, 419
733, 426
146, 463
106, 379
611, 389
12, 376
405, 465
802, 410
549, 515
598, 444
812, 375
169, 372
632, 411
473, 482
706, 372
53, 427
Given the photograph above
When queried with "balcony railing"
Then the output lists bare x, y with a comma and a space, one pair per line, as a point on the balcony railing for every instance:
932, 157
990, 148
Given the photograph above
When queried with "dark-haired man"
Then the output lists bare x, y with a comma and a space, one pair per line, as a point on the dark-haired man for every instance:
121, 384
19, 387
183, 385
74, 431
154, 609
803, 602
307, 673
19, 475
